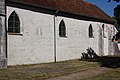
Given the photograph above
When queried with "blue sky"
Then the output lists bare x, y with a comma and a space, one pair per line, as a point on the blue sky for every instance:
105, 6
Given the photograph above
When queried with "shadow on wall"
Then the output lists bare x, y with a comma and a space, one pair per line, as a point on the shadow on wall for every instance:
116, 42
116, 48
104, 61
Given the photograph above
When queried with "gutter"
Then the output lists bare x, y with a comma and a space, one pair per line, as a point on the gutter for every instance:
6, 29
55, 40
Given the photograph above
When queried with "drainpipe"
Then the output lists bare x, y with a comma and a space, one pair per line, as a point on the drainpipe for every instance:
6, 29
55, 47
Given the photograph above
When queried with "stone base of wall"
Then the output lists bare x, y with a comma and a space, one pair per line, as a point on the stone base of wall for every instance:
3, 63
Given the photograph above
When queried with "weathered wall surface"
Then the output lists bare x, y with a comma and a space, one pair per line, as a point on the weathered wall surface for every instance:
2, 6
36, 42
3, 57
77, 40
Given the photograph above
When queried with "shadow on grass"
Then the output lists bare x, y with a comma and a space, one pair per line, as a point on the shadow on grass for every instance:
107, 61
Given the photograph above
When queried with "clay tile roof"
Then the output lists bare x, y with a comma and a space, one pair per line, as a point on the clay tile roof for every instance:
79, 7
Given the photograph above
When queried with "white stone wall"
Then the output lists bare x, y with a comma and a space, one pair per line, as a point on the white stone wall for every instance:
77, 40
36, 44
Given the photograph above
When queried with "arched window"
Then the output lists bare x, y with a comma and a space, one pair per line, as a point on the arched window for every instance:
14, 23
103, 27
62, 29
90, 31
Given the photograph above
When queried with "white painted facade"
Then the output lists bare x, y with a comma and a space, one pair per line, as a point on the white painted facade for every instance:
35, 43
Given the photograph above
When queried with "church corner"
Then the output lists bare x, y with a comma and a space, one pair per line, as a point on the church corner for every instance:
3, 36
42, 32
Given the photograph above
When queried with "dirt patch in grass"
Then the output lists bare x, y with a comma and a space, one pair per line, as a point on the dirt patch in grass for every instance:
44, 71
110, 75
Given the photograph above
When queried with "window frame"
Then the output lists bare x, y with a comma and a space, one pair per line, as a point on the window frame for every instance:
14, 20
90, 31
62, 29
103, 29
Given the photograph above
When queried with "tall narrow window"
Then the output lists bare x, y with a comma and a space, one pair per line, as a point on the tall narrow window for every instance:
90, 31
14, 23
62, 29
103, 27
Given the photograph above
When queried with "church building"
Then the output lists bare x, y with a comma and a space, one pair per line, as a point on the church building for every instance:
40, 31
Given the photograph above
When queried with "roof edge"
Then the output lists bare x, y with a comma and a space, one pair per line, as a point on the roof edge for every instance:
53, 9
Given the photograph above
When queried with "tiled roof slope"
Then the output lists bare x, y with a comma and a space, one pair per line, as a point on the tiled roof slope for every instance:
79, 7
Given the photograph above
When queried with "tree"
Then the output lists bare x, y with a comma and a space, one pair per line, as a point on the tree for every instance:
117, 16
114, 0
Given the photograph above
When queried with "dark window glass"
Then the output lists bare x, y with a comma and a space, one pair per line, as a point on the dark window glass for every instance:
90, 31
62, 29
103, 26
14, 23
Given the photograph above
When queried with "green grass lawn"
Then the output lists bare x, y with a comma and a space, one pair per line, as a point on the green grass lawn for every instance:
110, 75
44, 71
112, 62
48, 70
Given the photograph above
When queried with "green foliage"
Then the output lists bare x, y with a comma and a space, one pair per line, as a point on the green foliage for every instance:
116, 25
117, 12
114, 18
114, 0
117, 16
